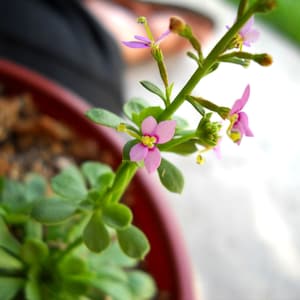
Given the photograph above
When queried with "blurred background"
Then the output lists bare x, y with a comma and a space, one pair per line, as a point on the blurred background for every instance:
240, 215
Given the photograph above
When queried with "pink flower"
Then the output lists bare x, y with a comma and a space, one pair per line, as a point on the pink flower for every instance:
144, 42
239, 119
152, 134
248, 34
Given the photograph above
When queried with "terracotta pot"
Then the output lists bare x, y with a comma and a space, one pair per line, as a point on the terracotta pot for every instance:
168, 260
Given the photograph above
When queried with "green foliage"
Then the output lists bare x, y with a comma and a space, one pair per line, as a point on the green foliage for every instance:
104, 117
170, 177
133, 242
34, 251
185, 148
95, 234
52, 211
141, 284
151, 87
9, 287
117, 216
9, 262
153, 111
134, 107
7, 240
93, 170
70, 185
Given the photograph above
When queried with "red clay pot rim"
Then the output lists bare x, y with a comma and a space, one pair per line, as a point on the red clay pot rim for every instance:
181, 260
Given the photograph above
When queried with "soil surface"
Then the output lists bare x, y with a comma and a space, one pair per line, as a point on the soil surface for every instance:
34, 142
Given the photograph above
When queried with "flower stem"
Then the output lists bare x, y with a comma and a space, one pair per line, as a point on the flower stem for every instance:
124, 175
209, 61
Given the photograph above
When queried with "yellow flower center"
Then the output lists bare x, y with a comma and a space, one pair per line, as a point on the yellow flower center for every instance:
233, 135
149, 141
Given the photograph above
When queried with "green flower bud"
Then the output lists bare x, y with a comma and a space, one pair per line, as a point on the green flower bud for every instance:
177, 24
265, 5
208, 132
263, 59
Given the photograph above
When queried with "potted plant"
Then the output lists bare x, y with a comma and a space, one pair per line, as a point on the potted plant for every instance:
48, 241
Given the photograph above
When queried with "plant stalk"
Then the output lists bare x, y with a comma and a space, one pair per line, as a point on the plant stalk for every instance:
209, 61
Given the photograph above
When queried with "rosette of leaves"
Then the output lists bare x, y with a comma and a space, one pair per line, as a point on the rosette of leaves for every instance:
72, 244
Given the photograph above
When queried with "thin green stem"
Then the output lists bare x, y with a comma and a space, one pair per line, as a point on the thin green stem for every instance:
124, 175
210, 60
77, 242
177, 141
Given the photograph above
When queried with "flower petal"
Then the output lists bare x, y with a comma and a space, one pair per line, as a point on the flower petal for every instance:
165, 130
135, 44
244, 124
239, 104
247, 27
142, 38
251, 37
163, 36
148, 126
217, 149
152, 160
138, 152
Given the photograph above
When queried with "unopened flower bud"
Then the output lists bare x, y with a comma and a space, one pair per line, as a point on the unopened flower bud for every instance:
208, 131
263, 59
177, 24
142, 20
265, 5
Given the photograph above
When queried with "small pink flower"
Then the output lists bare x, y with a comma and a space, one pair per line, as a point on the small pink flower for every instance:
248, 34
239, 119
152, 134
144, 42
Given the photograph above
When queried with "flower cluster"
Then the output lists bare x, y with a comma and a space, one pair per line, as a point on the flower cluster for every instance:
207, 133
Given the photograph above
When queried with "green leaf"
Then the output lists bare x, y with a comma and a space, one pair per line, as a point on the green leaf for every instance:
153, 111
34, 251
116, 215
116, 289
95, 234
70, 184
133, 242
113, 255
151, 87
141, 284
198, 107
92, 171
104, 117
73, 265
112, 272
7, 240
33, 229
180, 123
9, 287
35, 187
170, 177
105, 181
134, 106
127, 147
52, 211
185, 148
9, 262
32, 288
14, 198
